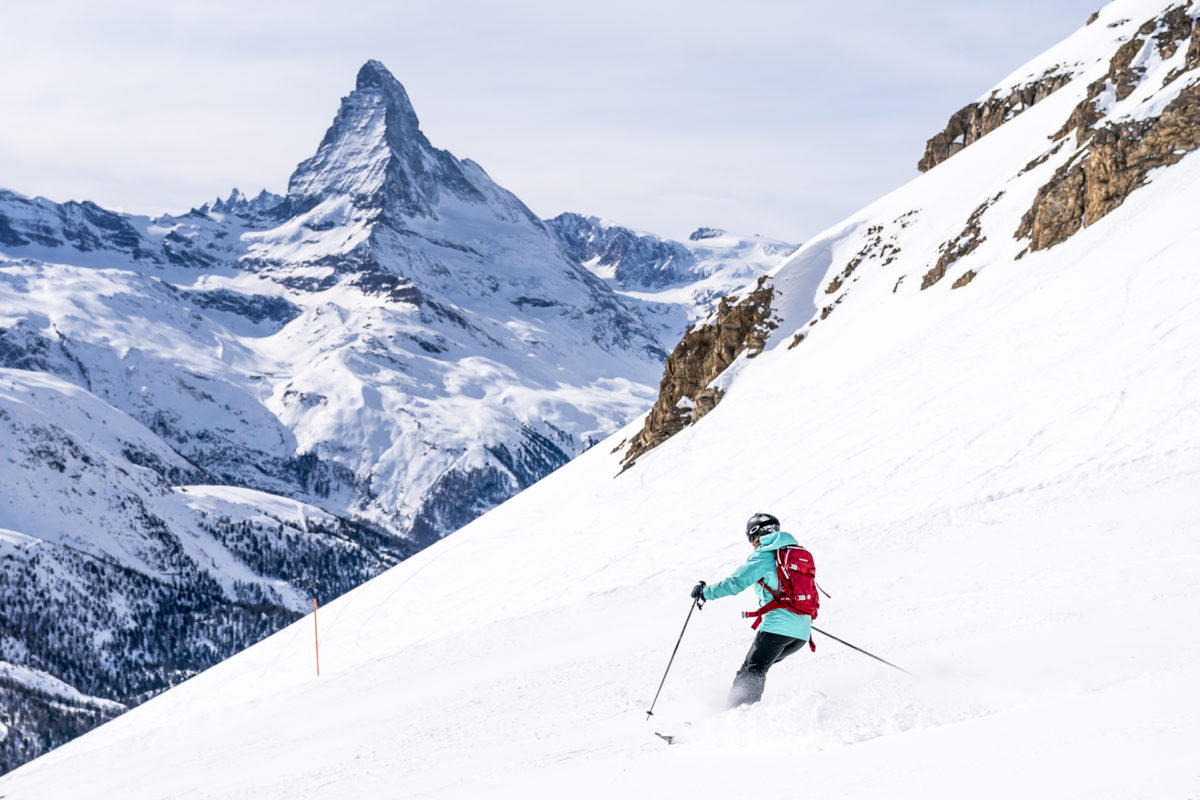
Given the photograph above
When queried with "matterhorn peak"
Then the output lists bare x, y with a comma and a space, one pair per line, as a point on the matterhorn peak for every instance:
374, 77
375, 154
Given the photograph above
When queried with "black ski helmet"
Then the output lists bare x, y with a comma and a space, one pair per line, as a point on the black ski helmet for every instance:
760, 524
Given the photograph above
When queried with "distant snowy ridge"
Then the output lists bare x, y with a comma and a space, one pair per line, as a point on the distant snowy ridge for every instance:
239, 204
679, 283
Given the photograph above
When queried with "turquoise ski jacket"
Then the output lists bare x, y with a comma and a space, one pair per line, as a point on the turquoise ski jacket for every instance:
761, 565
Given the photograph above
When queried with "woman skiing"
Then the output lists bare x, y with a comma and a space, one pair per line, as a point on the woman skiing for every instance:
787, 606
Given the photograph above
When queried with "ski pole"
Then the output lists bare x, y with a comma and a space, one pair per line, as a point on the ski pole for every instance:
859, 649
697, 603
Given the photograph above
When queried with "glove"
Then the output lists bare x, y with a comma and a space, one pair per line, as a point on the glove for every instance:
698, 591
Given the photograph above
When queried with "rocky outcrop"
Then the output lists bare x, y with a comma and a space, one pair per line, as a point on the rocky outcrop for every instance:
1117, 162
885, 252
254, 307
1114, 159
971, 122
964, 279
960, 246
707, 349
878, 247
1125, 69
1192, 58
702, 233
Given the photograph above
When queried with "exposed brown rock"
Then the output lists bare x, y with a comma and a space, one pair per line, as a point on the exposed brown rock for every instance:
1113, 160
1168, 31
966, 278
1122, 74
1116, 162
1095, 16
706, 350
1192, 58
1173, 27
960, 246
875, 248
976, 120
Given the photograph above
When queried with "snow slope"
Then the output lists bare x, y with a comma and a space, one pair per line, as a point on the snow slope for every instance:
998, 484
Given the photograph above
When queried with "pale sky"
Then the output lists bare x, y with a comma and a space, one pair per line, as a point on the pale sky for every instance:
758, 116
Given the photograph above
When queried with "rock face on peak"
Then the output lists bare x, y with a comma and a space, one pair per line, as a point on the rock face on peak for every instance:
373, 75
375, 154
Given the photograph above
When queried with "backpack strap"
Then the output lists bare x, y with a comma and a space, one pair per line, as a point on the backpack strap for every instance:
776, 602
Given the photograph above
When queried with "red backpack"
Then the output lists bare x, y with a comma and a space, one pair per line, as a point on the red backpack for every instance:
797, 592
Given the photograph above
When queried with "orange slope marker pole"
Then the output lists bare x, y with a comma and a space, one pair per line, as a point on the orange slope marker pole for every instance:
316, 640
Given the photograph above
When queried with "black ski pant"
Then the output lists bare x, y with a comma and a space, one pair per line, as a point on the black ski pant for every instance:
766, 650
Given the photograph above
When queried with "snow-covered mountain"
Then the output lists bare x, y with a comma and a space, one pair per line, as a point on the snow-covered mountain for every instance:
675, 283
974, 401
354, 321
213, 417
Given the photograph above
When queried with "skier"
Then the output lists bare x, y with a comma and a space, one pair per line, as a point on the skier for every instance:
785, 629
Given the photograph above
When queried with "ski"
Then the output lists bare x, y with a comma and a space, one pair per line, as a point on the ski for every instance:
665, 738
